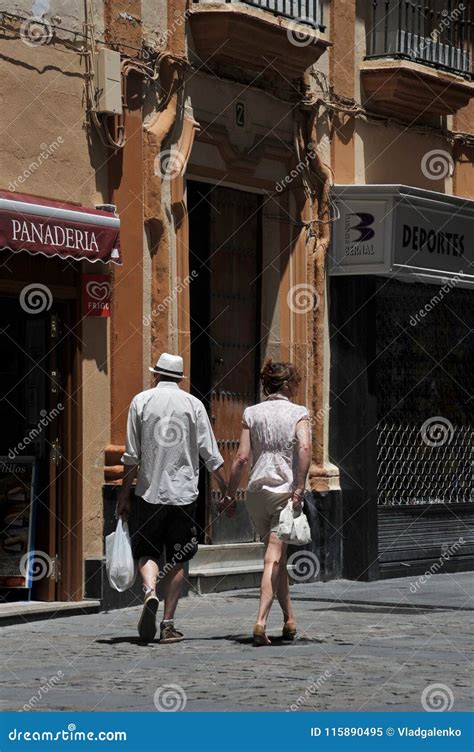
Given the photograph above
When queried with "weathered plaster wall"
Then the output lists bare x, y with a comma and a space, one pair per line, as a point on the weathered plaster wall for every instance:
390, 154
268, 125
68, 14
42, 106
160, 21
398, 154
42, 110
96, 427
464, 167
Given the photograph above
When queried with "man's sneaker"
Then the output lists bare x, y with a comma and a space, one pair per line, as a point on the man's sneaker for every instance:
168, 633
147, 623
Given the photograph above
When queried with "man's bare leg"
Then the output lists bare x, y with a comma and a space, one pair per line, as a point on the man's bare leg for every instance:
172, 587
149, 573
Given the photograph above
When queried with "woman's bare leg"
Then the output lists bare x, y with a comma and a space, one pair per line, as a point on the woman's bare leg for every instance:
283, 591
270, 576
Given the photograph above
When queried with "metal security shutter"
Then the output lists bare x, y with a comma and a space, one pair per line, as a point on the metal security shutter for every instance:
424, 423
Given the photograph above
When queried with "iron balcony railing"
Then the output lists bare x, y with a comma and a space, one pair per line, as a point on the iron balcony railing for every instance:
308, 12
433, 32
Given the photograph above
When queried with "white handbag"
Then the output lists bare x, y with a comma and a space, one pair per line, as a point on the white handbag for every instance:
293, 527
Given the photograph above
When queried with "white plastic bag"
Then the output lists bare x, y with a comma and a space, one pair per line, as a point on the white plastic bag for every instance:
293, 527
119, 558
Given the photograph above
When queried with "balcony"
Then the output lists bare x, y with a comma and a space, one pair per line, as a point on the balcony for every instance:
420, 57
274, 38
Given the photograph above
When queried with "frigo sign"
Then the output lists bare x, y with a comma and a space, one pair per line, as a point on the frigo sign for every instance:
410, 233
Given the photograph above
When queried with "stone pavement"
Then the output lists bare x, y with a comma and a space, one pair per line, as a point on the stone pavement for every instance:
362, 646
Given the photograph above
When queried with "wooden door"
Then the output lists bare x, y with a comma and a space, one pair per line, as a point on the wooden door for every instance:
227, 338
49, 514
67, 480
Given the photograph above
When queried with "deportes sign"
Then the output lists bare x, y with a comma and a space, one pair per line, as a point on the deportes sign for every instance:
395, 230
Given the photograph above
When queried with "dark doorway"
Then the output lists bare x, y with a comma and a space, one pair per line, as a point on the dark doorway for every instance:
37, 417
225, 229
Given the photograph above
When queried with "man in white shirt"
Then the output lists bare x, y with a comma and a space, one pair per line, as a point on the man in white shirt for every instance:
168, 430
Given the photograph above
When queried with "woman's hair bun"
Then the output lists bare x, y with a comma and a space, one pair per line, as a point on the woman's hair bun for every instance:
273, 375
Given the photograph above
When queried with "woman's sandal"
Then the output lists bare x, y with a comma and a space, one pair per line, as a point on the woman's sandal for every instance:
259, 636
289, 630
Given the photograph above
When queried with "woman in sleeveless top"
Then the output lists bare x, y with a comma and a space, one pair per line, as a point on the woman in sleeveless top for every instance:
276, 434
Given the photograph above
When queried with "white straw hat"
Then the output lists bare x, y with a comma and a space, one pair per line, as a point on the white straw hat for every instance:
169, 365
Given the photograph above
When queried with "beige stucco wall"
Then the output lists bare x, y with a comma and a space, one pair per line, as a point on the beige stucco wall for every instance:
387, 153
65, 14
211, 103
41, 108
96, 427
391, 154
156, 25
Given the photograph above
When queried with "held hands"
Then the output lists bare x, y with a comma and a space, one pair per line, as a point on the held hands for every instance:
228, 505
297, 499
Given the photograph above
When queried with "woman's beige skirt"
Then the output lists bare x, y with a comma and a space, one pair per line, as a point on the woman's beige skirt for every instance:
264, 508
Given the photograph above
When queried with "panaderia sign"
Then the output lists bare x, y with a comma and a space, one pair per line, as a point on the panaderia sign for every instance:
401, 231
55, 228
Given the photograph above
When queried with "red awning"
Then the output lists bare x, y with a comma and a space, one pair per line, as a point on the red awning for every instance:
57, 228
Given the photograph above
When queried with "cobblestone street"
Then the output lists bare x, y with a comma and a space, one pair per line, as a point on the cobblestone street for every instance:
361, 646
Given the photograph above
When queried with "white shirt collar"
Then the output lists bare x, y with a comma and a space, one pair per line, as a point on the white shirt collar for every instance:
167, 385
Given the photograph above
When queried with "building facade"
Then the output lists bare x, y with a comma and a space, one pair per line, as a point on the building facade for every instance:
232, 140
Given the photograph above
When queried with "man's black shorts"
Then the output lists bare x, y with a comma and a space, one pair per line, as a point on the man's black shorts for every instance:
164, 526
